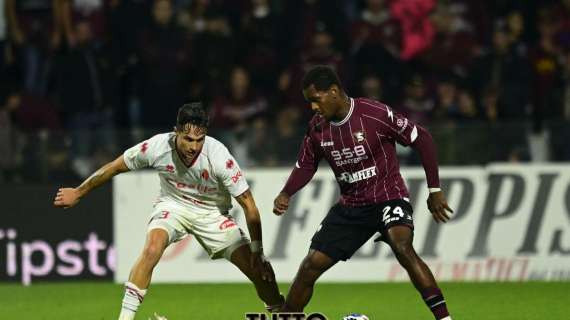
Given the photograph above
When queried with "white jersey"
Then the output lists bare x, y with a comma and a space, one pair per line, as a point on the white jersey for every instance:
206, 185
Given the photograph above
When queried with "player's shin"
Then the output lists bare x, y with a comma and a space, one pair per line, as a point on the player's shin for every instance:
268, 292
132, 299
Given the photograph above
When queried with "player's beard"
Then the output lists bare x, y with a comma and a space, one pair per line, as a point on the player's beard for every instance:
191, 156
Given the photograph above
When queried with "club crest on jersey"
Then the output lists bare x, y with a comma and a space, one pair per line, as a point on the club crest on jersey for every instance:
144, 147
205, 174
229, 164
169, 168
359, 136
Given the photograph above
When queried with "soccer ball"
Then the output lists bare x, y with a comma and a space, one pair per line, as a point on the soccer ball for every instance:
355, 316
155, 316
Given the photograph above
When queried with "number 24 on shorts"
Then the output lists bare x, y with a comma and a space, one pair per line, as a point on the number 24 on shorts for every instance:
397, 211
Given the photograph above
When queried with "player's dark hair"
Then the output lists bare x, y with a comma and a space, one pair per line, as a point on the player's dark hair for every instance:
322, 77
192, 113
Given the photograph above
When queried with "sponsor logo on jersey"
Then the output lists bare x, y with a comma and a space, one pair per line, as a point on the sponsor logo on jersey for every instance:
359, 136
170, 168
236, 177
228, 223
194, 201
199, 187
327, 143
205, 174
229, 164
352, 177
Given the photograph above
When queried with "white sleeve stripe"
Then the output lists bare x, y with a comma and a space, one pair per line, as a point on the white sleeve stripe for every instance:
414, 134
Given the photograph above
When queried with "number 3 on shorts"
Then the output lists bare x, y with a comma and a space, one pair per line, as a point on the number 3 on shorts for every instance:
397, 210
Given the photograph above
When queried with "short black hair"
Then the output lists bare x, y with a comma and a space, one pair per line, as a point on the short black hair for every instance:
322, 77
192, 113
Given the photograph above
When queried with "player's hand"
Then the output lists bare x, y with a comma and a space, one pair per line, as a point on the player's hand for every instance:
261, 266
281, 203
437, 205
66, 198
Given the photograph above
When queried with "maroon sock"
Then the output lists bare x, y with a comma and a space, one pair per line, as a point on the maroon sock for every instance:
435, 302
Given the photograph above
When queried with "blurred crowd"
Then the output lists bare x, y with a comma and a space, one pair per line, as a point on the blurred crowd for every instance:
83, 79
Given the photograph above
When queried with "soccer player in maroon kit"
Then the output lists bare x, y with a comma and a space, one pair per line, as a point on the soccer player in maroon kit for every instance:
357, 138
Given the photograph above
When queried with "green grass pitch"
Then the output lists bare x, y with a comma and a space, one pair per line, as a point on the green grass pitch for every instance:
380, 301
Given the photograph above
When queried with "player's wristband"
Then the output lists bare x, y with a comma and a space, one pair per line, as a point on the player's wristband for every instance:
256, 246
433, 190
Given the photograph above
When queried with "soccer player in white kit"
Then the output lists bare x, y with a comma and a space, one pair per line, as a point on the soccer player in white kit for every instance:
198, 177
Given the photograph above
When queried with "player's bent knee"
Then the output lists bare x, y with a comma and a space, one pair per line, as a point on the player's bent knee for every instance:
403, 249
311, 269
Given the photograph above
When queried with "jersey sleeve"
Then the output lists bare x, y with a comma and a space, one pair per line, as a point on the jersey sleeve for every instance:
408, 133
305, 167
229, 173
141, 155
398, 127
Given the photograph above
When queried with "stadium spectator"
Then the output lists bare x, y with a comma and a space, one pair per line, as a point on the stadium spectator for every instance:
417, 30
547, 74
164, 54
454, 45
233, 111
560, 12
214, 50
91, 11
10, 137
447, 102
560, 129
566, 94
508, 72
302, 19
371, 87
376, 45
417, 103
127, 19
36, 31
258, 44
515, 26
3, 37
286, 132
83, 88
321, 51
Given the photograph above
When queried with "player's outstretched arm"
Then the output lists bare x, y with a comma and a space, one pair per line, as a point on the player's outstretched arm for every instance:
69, 197
258, 261
437, 204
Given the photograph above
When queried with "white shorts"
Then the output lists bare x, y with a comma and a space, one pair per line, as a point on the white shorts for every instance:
218, 234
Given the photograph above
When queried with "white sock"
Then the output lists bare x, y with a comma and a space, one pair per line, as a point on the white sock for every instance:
447, 318
131, 301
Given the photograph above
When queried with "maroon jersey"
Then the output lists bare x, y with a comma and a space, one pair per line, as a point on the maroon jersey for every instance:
361, 151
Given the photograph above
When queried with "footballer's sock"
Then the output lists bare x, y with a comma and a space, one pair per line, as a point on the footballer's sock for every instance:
131, 301
276, 307
436, 303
